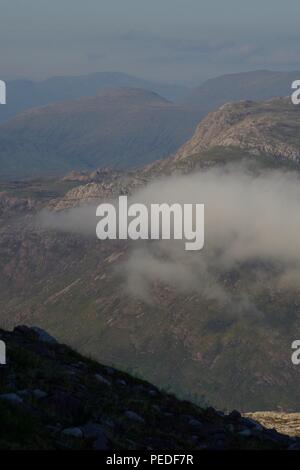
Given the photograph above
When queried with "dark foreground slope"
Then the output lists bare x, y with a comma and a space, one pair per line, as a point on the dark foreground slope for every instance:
53, 398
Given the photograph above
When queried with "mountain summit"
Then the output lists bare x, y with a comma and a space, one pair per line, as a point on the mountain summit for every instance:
271, 128
118, 127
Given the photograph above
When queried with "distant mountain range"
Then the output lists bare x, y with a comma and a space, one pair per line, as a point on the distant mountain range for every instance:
79, 123
257, 85
25, 94
122, 128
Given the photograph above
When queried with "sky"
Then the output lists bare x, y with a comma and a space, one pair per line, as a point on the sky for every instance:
178, 41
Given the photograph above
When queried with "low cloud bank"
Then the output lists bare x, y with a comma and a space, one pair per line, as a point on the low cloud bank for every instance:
250, 220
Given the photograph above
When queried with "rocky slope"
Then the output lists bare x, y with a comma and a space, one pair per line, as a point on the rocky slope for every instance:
265, 134
269, 128
53, 398
287, 423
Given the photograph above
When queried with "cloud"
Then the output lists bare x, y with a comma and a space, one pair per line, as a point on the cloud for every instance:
252, 226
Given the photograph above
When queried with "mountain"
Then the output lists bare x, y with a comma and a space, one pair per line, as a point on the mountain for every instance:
53, 398
119, 127
270, 128
256, 85
25, 94
231, 344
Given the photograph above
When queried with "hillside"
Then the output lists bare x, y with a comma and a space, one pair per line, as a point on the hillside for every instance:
121, 127
25, 94
53, 398
256, 85
234, 349
260, 128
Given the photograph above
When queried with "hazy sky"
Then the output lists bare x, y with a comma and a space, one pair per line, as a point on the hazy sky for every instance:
170, 40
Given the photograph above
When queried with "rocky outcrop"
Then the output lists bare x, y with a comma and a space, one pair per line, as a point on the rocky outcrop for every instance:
287, 423
270, 128
12, 205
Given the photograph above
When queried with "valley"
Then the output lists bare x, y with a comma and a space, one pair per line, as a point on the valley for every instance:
233, 353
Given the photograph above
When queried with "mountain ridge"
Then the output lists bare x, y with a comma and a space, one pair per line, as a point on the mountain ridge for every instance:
24, 93
120, 127
257, 85
253, 126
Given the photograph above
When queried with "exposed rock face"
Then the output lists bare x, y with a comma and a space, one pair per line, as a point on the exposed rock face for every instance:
10, 205
94, 176
74, 411
287, 423
271, 128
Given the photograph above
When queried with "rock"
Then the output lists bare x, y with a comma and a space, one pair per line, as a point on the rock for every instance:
294, 447
101, 443
109, 370
109, 423
43, 335
194, 423
156, 408
252, 424
65, 406
217, 445
121, 382
245, 433
187, 418
73, 432
202, 446
38, 394
92, 431
134, 416
45, 349
235, 415
102, 380
24, 393
219, 436
22, 329
52, 429
12, 398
